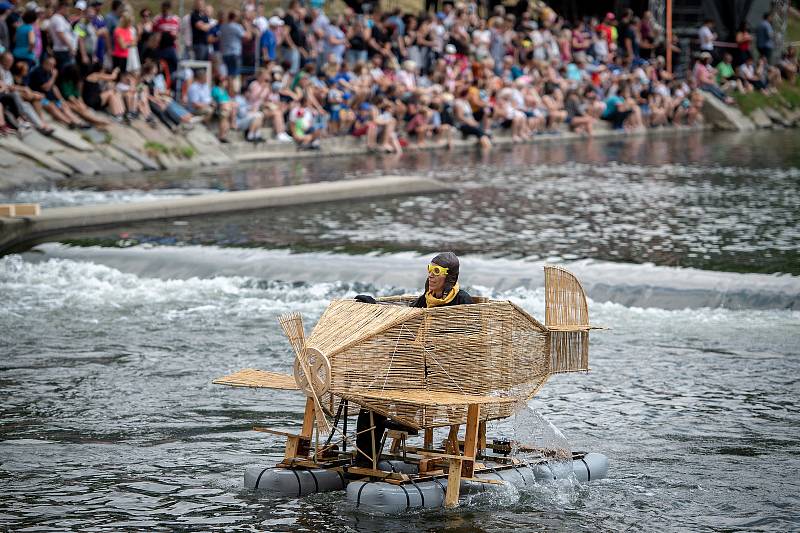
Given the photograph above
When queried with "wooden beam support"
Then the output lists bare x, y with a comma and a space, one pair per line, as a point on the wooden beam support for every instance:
452, 440
428, 439
308, 418
471, 439
453, 483
482, 436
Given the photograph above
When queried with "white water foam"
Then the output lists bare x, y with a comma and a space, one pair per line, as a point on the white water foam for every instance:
632, 285
70, 198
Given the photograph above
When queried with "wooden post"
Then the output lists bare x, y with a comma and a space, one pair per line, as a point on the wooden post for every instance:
669, 36
452, 440
308, 418
427, 443
482, 436
372, 434
471, 439
453, 483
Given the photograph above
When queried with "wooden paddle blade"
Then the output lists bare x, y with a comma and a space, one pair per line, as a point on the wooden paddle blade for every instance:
292, 325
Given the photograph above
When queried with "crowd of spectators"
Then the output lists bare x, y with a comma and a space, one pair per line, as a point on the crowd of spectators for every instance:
394, 78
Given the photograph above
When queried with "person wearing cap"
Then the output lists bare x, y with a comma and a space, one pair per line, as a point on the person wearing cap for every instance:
441, 285
270, 39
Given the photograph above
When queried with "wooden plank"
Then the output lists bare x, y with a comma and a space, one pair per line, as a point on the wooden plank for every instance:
27, 210
374, 472
308, 418
471, 438
275, 432
260, 379
439, 455
482, 436
424, 397
453, 483
487, 481
292, 447
7, 210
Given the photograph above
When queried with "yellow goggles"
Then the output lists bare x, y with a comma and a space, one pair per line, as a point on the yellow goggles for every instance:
437, 270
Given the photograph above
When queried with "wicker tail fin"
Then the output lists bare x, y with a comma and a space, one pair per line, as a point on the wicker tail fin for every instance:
567, 318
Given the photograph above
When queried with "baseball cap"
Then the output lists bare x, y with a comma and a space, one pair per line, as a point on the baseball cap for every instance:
5, 6
80, 5
275, 21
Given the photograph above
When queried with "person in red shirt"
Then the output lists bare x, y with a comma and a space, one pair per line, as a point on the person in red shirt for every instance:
607, 27
167, 25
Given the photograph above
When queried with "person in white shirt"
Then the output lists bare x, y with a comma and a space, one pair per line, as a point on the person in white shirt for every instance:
61, 36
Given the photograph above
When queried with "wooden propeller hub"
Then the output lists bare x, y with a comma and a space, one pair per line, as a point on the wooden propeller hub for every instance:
318, 377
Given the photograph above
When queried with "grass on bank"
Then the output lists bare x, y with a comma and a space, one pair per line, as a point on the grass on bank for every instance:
788, 95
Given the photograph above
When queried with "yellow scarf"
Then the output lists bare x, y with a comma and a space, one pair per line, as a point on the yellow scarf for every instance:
433, 301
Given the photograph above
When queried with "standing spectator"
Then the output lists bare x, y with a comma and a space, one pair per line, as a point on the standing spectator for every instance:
112, 19
707, 37
61, 37
25, 39
270, 38
5, 37
230, 43
765, 37
627, 43
103, 41
86, 37
124, 40
744, 40
200, 27
293, 49
167, 26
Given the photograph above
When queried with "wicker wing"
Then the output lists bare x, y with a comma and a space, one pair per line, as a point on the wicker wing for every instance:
567, 318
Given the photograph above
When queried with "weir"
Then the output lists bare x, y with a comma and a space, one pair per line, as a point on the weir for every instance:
19, 231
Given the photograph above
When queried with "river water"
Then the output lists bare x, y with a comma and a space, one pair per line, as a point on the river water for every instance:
688, 247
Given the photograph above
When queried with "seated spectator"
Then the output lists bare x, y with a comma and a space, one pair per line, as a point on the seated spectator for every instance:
342, 117
19, 97
465, 121
199, 95
617, 110
789, 64
225, 107
301, 121
71, 84
99, 92
43, 80
136, 98
705, 77
726, 76
249, 120
749, 79
168, 111
577, 117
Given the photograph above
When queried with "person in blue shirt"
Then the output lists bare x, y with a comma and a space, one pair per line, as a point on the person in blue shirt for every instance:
269, 42
616, 111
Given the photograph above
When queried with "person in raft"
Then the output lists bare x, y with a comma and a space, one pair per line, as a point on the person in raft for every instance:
441, 289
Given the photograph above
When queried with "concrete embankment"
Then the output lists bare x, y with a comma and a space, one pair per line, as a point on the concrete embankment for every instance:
21, 231
36, 160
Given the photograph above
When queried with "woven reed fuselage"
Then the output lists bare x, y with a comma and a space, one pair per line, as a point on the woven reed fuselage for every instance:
491, 349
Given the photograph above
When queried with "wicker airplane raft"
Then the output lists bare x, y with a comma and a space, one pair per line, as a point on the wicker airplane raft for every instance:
421, 368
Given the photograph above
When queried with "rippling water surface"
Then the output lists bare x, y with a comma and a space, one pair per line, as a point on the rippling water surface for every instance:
108, 420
